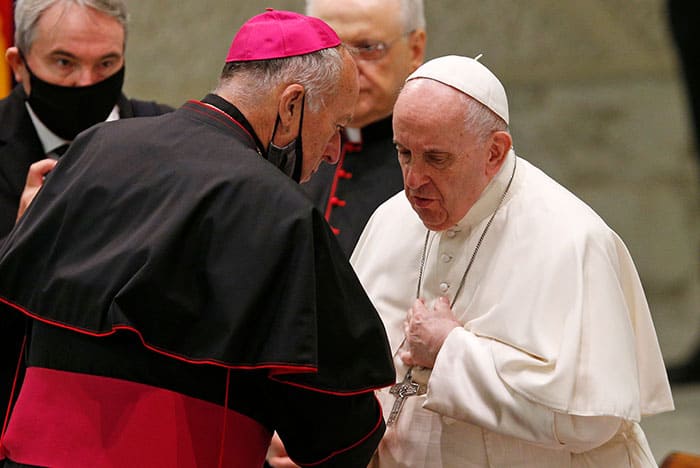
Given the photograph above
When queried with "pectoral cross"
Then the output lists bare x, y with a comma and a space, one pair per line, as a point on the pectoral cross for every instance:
401, 391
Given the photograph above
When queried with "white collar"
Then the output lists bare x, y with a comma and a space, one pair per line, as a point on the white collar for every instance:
354, 135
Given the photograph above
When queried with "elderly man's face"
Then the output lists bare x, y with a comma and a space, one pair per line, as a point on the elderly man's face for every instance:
73, 46
321, 130
445, 169
368, 23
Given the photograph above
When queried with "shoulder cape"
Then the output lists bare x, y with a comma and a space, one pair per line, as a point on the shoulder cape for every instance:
174, 228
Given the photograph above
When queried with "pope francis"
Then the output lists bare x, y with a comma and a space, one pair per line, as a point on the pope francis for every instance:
519, 328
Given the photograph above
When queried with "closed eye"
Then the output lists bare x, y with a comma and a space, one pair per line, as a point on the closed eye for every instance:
438, 159
404, 154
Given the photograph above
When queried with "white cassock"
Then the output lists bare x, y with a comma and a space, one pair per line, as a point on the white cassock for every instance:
558, 358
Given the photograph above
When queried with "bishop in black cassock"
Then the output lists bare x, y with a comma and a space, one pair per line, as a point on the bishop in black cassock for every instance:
188, 300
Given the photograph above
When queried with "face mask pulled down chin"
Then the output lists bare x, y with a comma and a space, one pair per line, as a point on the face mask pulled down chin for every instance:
68, 110
288, 158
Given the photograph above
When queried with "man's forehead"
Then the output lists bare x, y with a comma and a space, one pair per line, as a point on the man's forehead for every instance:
423, 91
61, 11
69, 29
358, 20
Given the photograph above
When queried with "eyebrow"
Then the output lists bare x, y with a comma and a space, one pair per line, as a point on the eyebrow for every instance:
433, 151
65, 53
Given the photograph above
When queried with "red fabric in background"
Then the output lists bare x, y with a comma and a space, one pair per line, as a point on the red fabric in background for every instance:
6, 33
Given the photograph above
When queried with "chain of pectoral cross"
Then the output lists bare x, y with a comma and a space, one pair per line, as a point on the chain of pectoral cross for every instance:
407, 387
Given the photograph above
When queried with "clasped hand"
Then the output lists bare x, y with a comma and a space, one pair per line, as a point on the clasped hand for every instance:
426, 330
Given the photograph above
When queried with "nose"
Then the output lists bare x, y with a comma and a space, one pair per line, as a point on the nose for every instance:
332, 152
86, 76
413, 176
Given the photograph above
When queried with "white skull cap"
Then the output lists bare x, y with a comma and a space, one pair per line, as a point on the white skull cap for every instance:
468, 76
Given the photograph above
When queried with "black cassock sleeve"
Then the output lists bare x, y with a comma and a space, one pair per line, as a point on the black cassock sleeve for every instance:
327, 430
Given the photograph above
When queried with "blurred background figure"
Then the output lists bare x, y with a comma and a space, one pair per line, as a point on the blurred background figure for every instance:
388, 39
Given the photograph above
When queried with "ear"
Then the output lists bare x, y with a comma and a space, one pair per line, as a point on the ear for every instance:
416, 43
500, 144
14, 59
289, 108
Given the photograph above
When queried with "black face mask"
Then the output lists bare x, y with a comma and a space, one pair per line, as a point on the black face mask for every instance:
288, 158
68, 110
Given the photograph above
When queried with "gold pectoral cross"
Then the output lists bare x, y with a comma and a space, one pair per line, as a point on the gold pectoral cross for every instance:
401, 391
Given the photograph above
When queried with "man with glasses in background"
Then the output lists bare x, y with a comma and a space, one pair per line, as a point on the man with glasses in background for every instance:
387, 47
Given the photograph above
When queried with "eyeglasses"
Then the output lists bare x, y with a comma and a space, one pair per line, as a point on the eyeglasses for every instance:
373, 50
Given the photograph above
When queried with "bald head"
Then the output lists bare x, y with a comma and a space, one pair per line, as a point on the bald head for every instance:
396, 27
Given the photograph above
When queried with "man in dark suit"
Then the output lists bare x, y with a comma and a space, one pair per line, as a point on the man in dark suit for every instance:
68, 61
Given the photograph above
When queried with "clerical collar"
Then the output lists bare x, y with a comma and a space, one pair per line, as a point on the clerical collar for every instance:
490, 197
378, 130
375, 131
49, 140
225, 106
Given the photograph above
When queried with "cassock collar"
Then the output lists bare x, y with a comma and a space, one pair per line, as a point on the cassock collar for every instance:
225, 106
492, 194
377, 130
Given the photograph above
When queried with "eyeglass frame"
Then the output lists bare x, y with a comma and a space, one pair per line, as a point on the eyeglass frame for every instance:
381, 48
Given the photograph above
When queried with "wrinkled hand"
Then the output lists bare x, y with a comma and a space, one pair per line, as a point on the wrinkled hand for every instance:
277, 455
426, 331
35, 179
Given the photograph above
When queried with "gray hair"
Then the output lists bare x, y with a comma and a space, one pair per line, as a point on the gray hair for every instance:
412, 14
28, 13
318, 72
479, 120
